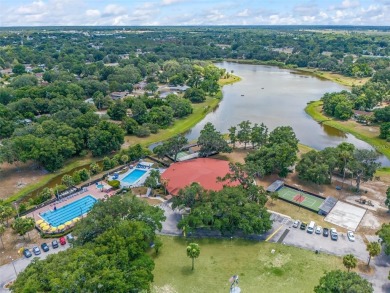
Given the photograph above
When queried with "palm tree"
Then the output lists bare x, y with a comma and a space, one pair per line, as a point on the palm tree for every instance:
374, 249
349, 261
193, 252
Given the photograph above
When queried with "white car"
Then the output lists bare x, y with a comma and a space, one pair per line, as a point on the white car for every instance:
351, 236
318, 230
296, 223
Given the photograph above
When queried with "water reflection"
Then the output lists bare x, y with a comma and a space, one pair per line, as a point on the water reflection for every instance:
331, 131
276, 97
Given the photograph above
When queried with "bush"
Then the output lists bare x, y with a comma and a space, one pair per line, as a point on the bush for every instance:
84, 174
142, 131
43, 196
114, 184
106, 163
152, 127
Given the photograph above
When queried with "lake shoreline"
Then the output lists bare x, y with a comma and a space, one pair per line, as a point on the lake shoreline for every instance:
327, 75
314, 110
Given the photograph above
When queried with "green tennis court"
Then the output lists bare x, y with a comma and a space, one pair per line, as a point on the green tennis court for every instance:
299, 197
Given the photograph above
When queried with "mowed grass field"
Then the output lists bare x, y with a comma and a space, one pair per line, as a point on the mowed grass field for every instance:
289, 269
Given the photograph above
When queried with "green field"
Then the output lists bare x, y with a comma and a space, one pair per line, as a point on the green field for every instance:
288, 270
293, 195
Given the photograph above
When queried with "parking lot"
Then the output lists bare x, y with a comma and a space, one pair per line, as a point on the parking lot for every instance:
288, 235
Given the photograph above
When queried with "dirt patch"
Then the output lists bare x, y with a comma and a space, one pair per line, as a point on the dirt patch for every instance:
16, 176
370, 221
13, 242
163, 289
363, 268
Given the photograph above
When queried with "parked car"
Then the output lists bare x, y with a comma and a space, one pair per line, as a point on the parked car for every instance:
296, 223
70, 237
62, 240
318, 230
45, 247
351, 236
310, 228
54, 244
325, 232
36, 250
333, 234
27, 253
303, 226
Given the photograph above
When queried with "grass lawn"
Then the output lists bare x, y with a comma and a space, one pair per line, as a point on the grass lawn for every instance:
368, 134
289, 269
341, 79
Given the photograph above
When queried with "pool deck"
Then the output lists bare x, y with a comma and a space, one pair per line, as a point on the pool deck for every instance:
91, 190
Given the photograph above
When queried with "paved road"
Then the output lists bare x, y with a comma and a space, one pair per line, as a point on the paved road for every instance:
7, 272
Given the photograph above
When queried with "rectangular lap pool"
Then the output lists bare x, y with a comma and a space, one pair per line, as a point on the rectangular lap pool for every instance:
70, 211
133, 176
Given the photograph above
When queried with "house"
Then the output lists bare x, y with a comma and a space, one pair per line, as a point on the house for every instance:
118, 95
6, 71
357, 113
140, 86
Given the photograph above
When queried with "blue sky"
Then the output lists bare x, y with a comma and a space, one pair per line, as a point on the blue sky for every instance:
194, 12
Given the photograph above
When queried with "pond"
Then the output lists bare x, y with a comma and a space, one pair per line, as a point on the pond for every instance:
276, 97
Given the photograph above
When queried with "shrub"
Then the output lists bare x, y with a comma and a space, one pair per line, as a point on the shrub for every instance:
114, 183
142, 131
84, 174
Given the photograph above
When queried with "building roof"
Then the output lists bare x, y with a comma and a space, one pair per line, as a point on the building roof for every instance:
328, 204
205, 171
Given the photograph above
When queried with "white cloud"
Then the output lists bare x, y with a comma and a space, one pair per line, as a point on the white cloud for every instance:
113, 10
192, 12
92, 13
170, 2
243, 13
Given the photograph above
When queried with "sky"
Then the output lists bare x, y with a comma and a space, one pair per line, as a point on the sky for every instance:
193, 12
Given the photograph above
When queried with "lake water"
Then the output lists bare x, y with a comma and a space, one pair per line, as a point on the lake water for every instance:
276, 97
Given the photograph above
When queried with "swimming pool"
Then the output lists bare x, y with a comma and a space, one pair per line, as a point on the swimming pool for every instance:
133, 176
70, 211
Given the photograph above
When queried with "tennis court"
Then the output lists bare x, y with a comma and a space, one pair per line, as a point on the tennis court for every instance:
300, 198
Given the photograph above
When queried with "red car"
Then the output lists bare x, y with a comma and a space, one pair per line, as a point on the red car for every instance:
62, 241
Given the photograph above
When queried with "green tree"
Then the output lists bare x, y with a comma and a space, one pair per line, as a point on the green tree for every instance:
343, 282
245, 213
153, 181
259, 135
233, 136
244, 132
364, 165
108, 214
84, 174
349, 261
193, 251
157, 245
171, 147
211, 141
105, 138
387, 201
129, 125
19, 69
124, 159
67, 180
195, 95
181, 107
94, 169
139, 111
374, 249
2, 231
6, 211
23, 225
384, 234
107, 165
385, 131
117, 111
